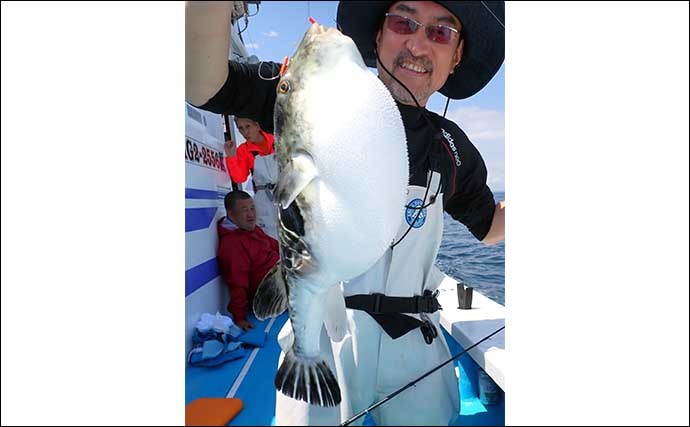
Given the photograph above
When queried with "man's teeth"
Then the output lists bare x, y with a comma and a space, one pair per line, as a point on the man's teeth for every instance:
413, 67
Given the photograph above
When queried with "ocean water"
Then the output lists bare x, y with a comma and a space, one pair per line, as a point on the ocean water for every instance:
465, 258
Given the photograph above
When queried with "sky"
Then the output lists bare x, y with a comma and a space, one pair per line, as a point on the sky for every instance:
276, 30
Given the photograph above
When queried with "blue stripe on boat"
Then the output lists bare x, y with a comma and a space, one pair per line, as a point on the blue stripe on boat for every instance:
198, 276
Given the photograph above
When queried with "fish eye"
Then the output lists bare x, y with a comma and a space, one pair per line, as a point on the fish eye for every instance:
283, 87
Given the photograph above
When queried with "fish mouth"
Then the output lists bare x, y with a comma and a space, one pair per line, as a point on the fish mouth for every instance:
317, 29
319, 35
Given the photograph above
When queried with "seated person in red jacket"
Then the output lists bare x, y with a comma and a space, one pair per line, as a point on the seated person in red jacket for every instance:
245, 254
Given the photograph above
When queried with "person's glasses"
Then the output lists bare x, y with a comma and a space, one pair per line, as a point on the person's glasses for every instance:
441, 34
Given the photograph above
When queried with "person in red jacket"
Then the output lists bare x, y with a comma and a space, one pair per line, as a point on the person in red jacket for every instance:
240, 160
245, 254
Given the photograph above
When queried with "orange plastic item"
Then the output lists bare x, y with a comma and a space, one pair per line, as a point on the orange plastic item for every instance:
283, 67
211, 411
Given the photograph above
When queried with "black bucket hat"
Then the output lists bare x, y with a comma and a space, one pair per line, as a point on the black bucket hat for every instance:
482, 30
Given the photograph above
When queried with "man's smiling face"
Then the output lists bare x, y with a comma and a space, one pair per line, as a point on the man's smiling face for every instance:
421, 64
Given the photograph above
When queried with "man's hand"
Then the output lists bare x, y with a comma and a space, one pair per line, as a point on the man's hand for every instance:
244, 325
230, 148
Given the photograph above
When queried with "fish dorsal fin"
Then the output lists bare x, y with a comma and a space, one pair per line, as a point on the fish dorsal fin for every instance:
294, 177
271, 297
336, 317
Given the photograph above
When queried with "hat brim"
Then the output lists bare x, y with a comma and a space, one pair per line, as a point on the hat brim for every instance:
483, 34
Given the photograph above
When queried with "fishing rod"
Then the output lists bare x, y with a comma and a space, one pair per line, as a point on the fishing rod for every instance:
413, 382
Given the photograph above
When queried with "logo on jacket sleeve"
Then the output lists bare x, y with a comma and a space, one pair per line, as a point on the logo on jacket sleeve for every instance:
451, 142
415, 214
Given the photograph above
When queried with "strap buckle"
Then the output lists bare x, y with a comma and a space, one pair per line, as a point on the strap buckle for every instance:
428, 302
378, 298
428, 329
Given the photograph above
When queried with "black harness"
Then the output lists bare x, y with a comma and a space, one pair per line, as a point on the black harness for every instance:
388, 312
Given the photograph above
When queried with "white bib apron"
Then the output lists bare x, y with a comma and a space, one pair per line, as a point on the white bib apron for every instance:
368, 363
265, 172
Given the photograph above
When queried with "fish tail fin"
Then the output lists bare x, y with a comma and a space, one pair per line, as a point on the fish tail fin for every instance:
308, 380
271, 297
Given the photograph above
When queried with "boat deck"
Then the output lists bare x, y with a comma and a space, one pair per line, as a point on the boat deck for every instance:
251, 380
258, 366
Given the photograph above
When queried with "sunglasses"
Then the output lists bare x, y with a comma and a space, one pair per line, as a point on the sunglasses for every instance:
437, 33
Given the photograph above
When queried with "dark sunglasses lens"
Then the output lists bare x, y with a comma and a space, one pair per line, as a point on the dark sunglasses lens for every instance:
401, 25
439, 34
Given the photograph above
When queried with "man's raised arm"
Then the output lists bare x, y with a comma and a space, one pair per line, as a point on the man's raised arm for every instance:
207, 48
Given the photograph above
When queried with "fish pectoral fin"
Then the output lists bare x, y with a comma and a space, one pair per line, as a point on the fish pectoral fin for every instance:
271, 297
336, 318
298, 173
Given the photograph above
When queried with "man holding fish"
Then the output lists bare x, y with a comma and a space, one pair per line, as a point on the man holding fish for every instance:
365, 174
